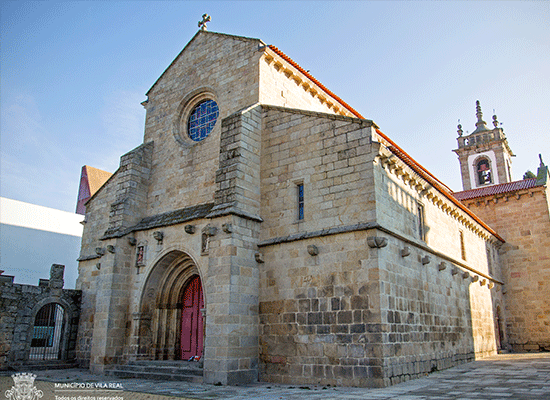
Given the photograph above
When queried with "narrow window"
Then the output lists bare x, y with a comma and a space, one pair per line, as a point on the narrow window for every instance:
489, 261
300, 187
421, 229
462, 246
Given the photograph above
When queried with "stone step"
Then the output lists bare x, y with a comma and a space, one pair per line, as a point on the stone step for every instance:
159, 370
35, 365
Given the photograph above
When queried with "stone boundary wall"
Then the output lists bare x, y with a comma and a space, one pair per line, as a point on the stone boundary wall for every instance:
19, 305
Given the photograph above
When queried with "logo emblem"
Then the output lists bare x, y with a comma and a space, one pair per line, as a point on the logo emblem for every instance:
24, 388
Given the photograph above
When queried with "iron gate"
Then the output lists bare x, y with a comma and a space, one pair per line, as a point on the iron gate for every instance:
47, 333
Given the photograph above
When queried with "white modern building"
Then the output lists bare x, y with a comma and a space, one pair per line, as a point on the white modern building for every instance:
32, 238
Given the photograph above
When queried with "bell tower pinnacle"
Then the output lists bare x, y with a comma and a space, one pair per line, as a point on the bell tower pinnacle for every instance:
484, 155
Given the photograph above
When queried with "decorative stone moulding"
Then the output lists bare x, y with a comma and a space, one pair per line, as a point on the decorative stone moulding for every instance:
442, 266
227, 228
454, 271
259, 257
312, 250
465, 275
190, 229
482, 282
158, 235
132, 241
110, 248
405, 251
426, 260
100, 251
377, 242
475, 278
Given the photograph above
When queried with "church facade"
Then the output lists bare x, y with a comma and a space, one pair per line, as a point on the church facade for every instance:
267, 228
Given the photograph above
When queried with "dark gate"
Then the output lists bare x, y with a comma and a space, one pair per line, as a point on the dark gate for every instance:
47, 333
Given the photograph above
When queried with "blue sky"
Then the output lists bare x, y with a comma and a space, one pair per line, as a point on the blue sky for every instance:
73, 75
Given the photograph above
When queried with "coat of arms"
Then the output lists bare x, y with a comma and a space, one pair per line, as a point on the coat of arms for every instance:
24, 388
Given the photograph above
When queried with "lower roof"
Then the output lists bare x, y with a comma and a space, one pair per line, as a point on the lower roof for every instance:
492, 190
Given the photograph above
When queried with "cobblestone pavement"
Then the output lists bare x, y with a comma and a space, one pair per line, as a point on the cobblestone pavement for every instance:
506, 376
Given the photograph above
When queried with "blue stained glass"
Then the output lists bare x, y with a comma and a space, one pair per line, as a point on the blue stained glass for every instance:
202, 120
300, 201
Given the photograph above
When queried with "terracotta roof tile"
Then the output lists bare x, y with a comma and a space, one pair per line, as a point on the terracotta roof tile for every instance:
96, 178
496, 189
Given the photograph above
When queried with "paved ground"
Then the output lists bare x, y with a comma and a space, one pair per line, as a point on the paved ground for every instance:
507, 376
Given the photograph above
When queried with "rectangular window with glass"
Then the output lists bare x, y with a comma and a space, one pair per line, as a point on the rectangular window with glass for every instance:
300, 191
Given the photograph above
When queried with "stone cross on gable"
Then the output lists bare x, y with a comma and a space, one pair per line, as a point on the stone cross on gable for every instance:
205, 18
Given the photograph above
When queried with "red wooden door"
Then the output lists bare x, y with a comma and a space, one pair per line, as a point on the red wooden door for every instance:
192, 328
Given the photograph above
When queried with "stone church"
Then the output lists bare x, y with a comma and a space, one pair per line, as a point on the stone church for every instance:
268, 229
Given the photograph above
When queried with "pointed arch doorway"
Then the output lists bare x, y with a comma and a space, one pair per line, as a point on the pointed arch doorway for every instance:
170, 325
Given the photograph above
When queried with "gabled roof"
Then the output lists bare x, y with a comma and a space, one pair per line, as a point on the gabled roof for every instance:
96, 178
201, 32
502, 188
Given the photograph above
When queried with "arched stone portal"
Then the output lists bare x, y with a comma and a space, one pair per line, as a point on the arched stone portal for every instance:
162, 306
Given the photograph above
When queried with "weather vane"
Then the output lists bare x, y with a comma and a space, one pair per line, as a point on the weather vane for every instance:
202, 24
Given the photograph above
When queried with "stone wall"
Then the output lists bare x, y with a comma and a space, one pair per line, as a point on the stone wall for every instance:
225, 68
523, 219
19, 305
330, 155
354, 294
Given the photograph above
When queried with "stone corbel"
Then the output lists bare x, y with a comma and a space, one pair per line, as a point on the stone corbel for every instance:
454, 271
405, 251
210, 231
259, 257
312, 250
158, 235
442, 266
132, 241
426, 260
110, 248
465, 275
100, 251
475, 278
190, 229
377, 242
227, 228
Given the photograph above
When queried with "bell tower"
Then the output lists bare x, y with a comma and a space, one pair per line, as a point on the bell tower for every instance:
484, 155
